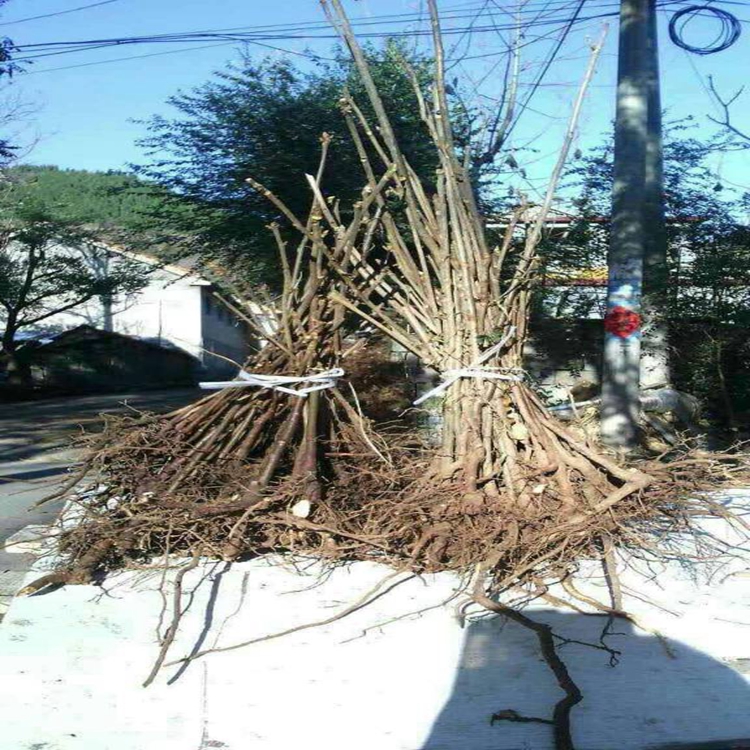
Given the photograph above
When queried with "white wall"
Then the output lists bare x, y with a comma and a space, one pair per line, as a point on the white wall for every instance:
223, 334
168, 308
171, 308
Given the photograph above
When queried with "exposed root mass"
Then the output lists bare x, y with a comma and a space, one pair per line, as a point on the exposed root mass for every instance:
511, 496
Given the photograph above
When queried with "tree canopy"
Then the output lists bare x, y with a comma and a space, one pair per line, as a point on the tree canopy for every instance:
707, 242
8, 68
114, 200
264, 120
707, 304
46, 268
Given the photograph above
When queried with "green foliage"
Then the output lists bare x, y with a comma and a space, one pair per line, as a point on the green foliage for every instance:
108, 200
8, 68
712, 361
708, 259
706, 241
52, 258
264, 120
49, 265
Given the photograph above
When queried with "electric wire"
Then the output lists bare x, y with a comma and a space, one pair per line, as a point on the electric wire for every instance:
727, 34
264, 35
545, 68
299, 33
58, 13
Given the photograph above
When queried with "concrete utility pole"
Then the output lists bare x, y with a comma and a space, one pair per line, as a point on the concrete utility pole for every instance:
620, 408
655, 353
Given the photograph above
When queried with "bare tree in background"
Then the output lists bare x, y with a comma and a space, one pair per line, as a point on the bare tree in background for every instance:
725, 121
45, 270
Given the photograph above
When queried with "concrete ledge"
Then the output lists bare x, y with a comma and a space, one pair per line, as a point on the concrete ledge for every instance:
11, 582
30, 540
399, 674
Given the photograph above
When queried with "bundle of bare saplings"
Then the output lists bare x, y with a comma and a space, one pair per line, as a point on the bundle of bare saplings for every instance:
282, 460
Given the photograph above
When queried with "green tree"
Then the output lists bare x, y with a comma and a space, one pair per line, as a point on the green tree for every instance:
708, 303
48, 266
264, 120
116, 203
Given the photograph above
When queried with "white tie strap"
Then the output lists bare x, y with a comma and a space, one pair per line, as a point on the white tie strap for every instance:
318, 381
475, 370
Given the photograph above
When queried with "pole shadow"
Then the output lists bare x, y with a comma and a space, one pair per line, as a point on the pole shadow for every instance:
649, 700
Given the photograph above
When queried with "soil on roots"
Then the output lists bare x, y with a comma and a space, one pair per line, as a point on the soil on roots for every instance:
395, 509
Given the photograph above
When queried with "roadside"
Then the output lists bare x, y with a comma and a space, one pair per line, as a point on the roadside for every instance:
21, 487
36, 430
36, 455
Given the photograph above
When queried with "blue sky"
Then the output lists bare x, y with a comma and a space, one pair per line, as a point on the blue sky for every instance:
84, 115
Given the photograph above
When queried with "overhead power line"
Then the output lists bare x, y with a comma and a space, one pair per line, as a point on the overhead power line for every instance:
306, 30
728, 33
47, 49
128, 57
545, 68
266, 36
58, 13
453, 12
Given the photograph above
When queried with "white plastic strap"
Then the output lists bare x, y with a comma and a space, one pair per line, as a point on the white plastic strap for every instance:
475, 370
318, 381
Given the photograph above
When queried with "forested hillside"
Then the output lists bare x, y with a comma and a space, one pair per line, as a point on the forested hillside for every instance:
112, 199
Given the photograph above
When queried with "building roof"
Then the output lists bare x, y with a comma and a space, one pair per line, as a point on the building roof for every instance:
88, 332
183, 267
596, 276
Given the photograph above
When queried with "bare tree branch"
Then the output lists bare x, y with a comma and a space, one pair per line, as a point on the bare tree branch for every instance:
725, 104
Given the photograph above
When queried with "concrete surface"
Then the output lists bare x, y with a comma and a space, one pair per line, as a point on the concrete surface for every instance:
30, 540
399, 674
22, 485
36, 455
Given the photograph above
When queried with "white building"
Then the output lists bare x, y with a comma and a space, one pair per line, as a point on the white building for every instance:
177, 308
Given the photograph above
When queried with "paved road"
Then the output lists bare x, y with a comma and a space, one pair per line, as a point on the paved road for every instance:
21, 486
32, 430
36, 454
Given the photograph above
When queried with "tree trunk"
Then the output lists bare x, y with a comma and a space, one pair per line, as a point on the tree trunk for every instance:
17, 369
718, 352
655, 353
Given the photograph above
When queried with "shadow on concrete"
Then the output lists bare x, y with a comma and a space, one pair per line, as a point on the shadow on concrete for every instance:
30, 474
647, 701
33, 427
208, 618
